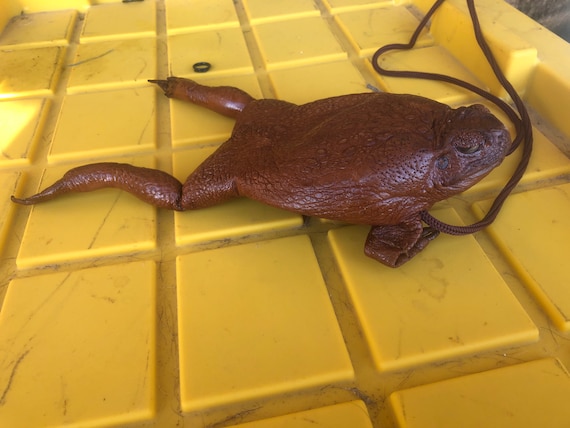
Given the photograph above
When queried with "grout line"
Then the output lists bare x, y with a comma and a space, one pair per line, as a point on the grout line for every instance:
255, 54
166, 346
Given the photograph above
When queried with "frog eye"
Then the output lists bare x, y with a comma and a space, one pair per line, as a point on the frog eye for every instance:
442, 162
469, 150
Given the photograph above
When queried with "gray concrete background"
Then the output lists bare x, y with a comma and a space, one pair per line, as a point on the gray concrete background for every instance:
553, 14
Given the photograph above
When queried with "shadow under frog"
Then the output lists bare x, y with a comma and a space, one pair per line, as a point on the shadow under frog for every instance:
378, 159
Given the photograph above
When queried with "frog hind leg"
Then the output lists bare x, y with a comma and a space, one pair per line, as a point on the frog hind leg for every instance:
225, 100
152, 186
394, 245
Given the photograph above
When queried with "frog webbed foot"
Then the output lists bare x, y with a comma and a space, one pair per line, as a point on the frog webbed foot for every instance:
394, 245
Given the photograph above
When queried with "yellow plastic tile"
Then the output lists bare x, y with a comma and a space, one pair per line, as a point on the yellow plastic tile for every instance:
546, 80
259, 11
115, 64
432, 59
29, 72
39, 30
525, 396
7, 208
21, 124
447, 302
191, 124
183, 16
129, 20
87, 225
304, 84
533, 231
280, 323
34, 6
550, 75
105, 123
224, 49
516, 57
352, 414
337, 6
78, 348
547, 161
232, 219
296, 42
371, 29
252, 326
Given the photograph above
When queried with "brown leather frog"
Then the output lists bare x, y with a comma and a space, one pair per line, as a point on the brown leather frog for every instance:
374, 158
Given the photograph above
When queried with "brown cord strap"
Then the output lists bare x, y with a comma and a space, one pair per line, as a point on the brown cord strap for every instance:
521, 122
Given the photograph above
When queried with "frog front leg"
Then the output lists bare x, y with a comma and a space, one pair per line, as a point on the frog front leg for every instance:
396, 244
225, 100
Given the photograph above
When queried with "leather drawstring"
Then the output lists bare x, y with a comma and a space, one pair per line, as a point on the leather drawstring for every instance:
521, 121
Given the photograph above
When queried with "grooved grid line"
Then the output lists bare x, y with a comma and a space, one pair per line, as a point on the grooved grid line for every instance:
246, 314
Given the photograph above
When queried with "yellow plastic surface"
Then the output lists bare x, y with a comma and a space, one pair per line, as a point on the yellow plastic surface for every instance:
225, 49
433, 59
249, 297
352, 414
438, 309
80, 347
184, 16
15, 65
520, 236
311, 82
367, 29
115, 64
38, 30
259, 11
114, 313
137, 21
531, 394
113, 122
303, 41
21, 123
